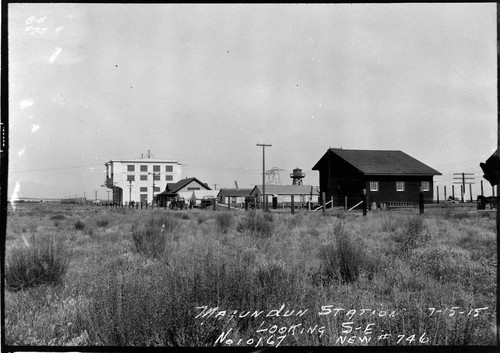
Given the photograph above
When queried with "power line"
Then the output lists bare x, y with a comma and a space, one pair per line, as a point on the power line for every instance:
55, 168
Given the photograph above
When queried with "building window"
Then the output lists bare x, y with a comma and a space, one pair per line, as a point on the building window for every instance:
130, 168
169, 177
156, 176
169, 168
144, 189
194, 188
130, 177
373, 185
425, 186
144, 177
144, 168
156, 168
157, 188
400, 186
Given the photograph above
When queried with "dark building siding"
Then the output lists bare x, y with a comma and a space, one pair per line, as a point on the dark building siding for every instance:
387, 189
339, 179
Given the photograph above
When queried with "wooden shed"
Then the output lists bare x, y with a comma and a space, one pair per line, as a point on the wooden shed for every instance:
387, 177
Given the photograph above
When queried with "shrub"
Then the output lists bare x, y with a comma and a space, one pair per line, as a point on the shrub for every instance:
257, 224
390, 223
182, 215
90, 230
149, 241
343, 260
79, 225
414, 233
224, 220
39, 263
201, 217
165, 221
102, 223
58, 217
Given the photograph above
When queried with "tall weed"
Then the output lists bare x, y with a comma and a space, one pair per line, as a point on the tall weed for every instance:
413, 233
257, 223
43, 261
344, 259
224, 220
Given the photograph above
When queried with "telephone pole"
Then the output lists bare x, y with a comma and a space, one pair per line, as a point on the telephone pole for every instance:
130, 191
153, 174
264, 199
462, 177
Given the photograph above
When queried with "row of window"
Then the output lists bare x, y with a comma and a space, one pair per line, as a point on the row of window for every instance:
400, 186
145, 177
144, 168
145, 189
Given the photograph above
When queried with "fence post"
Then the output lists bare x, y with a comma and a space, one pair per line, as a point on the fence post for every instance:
293, 204
437, 193
323, 196
332, 203
470, 191
421, 202
453, 192
364, 202
445, 192
228, 203
345, 203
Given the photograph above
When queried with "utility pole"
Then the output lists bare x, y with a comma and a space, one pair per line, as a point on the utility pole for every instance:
463, 178
153, 174
130, 191
215, 186
264, 145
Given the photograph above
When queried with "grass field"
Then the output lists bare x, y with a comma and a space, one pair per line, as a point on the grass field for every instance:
82, 275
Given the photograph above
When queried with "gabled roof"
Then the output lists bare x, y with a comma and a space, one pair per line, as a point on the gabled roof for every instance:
174, 187
234, 192
377, 162
285, 190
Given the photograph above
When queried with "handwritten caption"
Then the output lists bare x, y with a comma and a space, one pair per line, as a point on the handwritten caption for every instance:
32, 30
269, 334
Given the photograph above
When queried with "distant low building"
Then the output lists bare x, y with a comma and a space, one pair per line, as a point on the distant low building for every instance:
386, 177
283, 193
233, 195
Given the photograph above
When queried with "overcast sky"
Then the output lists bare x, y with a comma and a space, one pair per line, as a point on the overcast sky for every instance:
203, 84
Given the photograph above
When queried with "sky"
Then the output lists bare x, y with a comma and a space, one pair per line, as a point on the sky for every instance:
204, 84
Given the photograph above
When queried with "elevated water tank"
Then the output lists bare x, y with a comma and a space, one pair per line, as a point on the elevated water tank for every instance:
297, 176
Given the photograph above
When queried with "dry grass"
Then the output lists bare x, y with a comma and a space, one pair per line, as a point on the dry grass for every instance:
137, 279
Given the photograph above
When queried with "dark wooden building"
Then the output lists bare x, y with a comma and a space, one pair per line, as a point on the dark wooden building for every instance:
387, 177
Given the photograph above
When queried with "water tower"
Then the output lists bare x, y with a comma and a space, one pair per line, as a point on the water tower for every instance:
297, 176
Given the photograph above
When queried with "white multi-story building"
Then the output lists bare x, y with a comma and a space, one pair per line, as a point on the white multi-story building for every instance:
139, 180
